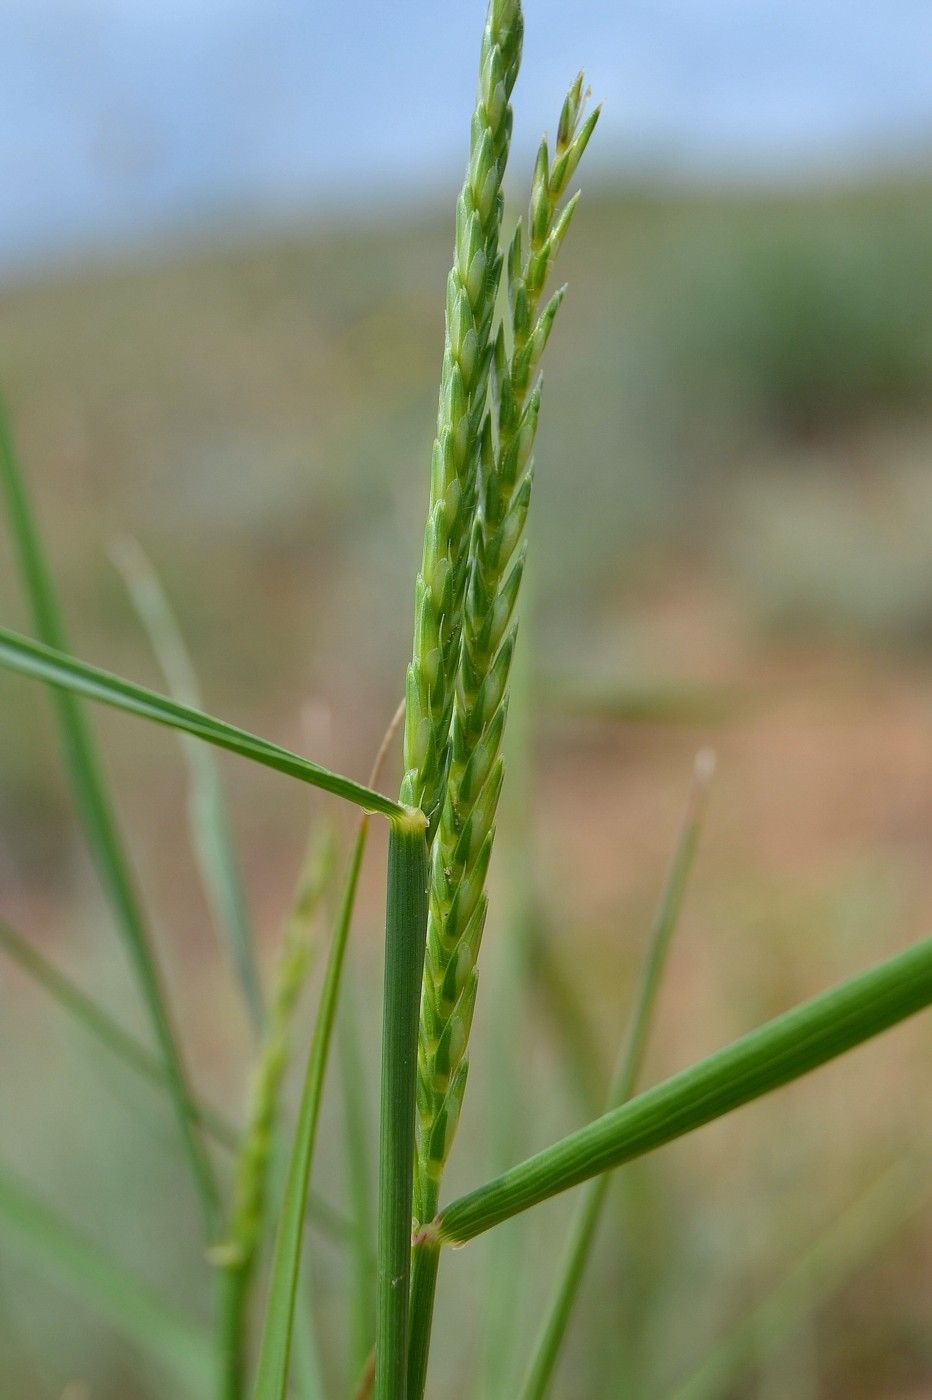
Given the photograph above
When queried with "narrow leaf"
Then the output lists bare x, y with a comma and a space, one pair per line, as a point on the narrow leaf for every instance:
140, 1059
29, 658
767, 1058
648, 702
359, 1179
562, 1003
44, 1241
102, 1026
208, 815
99, 821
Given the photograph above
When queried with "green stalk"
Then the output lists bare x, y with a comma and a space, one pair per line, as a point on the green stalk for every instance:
586, 1219
100, 825
358, 1164
425, 1263
44, 663
208, 816
405, 932
41, 1238
776, 1053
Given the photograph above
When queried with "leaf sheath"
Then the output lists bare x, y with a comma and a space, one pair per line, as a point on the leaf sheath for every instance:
405, 934
767, 1058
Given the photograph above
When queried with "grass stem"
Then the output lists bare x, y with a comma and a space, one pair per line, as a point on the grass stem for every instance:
405, 933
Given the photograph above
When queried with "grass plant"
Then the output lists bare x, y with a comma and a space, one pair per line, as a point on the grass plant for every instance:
500, 314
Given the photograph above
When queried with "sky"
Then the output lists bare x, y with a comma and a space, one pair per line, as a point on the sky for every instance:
126, 121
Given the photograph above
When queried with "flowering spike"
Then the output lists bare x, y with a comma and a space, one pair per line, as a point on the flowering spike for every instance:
488, 566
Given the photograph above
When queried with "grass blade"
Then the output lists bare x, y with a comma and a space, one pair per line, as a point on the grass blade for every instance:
765, 1059
207, 808
100, 1024
580, 1055
651, 702
43, 663
405, 934
358, 1158
586, 1220
140, 1059
35, 1232
99, 821
829, 1261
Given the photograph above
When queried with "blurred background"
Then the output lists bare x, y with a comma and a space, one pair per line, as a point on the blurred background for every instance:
224, 238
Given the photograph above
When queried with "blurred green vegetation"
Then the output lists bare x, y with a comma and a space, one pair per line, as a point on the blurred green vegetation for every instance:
733, 499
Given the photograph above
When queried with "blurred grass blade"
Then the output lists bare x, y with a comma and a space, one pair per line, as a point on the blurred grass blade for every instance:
275, 1349
209, 818
765, 1059
132, 1052
580, 1055
651, 702
140, 1059
358, 1169
39, 1237
586, 1219
99, 820
307, 1381
824, 1267
43, 663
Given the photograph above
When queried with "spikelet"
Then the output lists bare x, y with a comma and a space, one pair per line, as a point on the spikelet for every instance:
465, 831
462, 430
236, 1255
